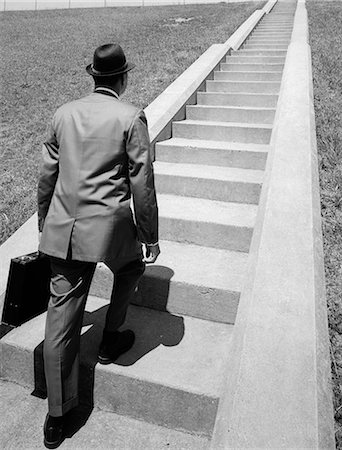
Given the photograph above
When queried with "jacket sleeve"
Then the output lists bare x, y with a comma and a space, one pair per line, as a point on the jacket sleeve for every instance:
49, 169
142, 180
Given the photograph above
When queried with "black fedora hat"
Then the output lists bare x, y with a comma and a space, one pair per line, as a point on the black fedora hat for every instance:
109, 59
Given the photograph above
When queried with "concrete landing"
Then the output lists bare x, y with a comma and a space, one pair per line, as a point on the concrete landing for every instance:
22, 417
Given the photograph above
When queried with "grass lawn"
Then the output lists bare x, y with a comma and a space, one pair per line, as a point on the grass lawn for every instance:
325, 19
43, 60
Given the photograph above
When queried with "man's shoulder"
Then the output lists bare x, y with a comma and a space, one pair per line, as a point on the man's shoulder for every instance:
130, 108
69, 106
126, 109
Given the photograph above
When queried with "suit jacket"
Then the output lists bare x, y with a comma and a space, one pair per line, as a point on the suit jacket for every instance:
97, 155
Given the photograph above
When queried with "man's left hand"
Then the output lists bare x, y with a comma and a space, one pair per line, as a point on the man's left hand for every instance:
151, 253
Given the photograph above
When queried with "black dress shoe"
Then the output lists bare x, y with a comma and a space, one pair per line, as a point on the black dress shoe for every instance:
53, 431
115, 344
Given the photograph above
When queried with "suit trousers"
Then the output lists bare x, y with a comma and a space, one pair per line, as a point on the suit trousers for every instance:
70, 284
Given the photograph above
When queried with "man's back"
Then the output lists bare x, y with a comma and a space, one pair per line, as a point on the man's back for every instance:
97, 138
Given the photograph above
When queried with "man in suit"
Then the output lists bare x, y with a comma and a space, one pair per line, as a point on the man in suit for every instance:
95, 158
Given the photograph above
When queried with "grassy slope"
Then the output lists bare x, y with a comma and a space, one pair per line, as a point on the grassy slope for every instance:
326, 46
43, 57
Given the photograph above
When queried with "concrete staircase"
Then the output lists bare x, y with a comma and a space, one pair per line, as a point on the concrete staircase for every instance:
208, 177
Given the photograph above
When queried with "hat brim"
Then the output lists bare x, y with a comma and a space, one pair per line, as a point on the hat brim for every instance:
129, 66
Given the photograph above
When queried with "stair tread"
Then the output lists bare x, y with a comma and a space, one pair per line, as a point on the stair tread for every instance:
230, 63
224, 124
209, 211
209, 172
229, 107
256, 72
244, 82
197, 348
223, 145
189, 264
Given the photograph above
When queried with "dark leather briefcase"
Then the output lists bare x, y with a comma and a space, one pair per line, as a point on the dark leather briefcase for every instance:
28, 288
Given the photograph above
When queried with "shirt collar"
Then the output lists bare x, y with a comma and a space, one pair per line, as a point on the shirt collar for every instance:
106, 91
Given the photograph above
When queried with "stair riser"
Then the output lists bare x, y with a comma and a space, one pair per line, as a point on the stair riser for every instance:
255, 60
281, 20
230, 115
210, 189
212, 157
221, 133
178, 298
247, 100
268, 40
252, 67
209, 234
251, 46
277, 26
276, 34
156, 404
260, 52
274, 28
248, 87
247, 76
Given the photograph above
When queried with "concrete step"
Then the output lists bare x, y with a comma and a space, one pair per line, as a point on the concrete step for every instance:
237, 99
236, 67
275, 27
260, 52
225, 184
267, 28
250, 45
260, 87
231, 75
268, 40
180, 283
230, 114
277, 20
171, 377
223, 131
206, 222
277, 31
277, 34
230, 154
255, 59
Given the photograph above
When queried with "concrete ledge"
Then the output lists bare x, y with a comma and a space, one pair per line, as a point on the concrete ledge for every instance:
170, 104
238, 38
269, 6
278, 392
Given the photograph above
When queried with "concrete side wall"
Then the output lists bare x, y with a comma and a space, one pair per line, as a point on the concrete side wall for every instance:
278, 392
15, 5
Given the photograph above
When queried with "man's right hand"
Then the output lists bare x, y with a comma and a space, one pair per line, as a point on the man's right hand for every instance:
151, 253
